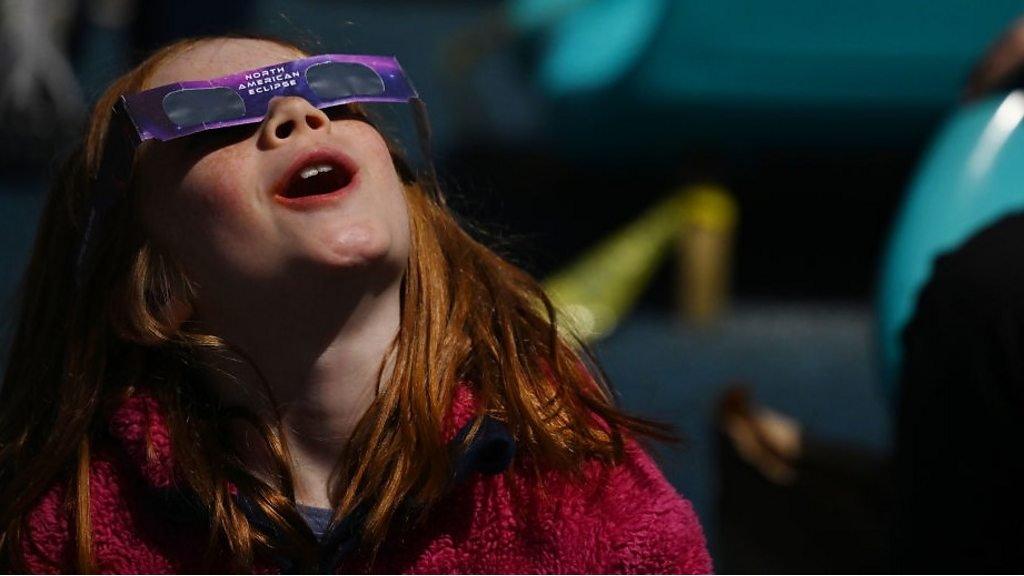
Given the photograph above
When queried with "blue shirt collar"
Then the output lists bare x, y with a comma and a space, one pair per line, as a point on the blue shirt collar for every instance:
490, 452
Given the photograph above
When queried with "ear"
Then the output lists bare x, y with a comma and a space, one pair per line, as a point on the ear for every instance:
176, 311
159, 322
157, 300
169, 295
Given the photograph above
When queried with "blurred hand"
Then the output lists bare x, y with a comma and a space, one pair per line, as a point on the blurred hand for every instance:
1002, 66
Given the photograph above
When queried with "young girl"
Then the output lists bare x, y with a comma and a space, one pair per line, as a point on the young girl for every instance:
267, 346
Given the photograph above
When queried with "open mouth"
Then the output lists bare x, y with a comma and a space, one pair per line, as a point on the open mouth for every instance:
317, 179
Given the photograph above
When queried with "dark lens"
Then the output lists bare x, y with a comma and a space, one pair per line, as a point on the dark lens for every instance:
188, 108
336, 80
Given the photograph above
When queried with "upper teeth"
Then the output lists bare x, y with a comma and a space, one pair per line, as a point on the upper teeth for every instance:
314, 170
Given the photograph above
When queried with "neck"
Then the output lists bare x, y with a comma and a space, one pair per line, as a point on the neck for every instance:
321, 365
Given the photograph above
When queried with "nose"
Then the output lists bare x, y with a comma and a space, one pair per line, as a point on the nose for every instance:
289, 116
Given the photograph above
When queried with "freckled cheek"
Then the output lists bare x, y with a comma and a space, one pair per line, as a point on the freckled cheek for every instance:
391, 199
383, 171
213, 215
217, 203
216, 196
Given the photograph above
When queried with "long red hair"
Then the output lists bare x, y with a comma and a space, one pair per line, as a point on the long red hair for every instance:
467, 316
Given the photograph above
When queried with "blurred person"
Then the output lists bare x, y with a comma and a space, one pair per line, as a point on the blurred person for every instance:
960, 421
41, 103
267, 345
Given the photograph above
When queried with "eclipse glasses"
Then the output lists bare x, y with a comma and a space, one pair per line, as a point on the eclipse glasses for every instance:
184, 108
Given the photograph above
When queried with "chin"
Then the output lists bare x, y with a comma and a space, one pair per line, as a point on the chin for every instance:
357, 246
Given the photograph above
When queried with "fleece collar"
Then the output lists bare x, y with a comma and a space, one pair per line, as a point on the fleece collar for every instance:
139, 427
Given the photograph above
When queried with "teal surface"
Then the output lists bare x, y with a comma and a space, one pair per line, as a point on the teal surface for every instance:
971, 176
846, 51
811, 362
648, 80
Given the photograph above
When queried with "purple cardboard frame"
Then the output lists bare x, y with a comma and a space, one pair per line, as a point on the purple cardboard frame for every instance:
256, 88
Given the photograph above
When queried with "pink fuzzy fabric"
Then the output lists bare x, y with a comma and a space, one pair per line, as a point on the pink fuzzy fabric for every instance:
620, 519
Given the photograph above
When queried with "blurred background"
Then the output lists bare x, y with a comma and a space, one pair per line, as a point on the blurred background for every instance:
737, 202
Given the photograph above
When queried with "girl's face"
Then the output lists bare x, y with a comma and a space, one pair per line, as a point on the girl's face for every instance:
232, 206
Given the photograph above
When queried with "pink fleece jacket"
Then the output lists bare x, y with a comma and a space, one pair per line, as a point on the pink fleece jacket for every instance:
619, 519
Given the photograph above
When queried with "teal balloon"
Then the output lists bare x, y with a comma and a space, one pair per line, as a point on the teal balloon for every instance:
591, 44
972, 175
